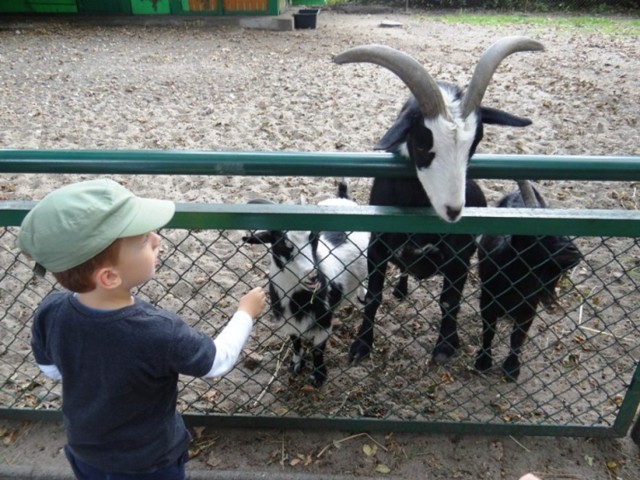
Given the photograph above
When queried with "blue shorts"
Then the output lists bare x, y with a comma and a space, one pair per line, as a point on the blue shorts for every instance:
82, 471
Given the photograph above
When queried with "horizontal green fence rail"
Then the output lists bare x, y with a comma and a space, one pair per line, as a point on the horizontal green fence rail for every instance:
229, 217
614, 168
488, 220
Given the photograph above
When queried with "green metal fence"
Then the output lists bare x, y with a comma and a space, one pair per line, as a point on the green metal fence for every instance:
580, 366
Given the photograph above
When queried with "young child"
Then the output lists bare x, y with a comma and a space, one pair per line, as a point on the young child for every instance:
118, 356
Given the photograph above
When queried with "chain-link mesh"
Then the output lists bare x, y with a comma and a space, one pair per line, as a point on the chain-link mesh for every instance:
576, 366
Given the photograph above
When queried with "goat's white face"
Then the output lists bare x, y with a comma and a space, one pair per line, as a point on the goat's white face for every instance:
300, 263
444, 178
439, 149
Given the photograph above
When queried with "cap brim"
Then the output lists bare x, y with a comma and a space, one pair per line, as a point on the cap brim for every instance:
151, 215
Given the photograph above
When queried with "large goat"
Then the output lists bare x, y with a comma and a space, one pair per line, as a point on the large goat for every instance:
438, 129
517, 272
310, 274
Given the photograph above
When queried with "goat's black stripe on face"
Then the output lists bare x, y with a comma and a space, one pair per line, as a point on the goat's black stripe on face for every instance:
276, 304
423, 160
282, 251
420, 145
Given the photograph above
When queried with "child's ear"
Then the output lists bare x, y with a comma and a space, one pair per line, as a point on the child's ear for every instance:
107, 278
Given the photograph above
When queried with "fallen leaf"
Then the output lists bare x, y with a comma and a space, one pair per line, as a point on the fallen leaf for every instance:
10, 437
369, 450
382, 468
307, 389
447, 378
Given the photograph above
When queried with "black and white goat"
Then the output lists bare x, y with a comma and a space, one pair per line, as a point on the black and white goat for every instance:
438, 129
310, 274
518, 272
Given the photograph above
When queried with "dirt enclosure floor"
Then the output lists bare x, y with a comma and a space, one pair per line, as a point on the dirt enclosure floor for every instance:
191, 87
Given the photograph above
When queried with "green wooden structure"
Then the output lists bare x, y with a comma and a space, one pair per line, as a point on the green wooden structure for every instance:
147, 7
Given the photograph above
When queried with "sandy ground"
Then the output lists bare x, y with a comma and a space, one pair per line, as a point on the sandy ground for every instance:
226, 88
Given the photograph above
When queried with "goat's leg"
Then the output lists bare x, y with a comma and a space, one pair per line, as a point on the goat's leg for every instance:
452, 286
319, 374
511, 366
377, 267
484, 359
401, 289
297, 360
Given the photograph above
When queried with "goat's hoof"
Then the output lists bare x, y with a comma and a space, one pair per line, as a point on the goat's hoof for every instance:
511, 370
400, 293
358, 351
483, 362
440, 358
442, 353
318, 378
296, 367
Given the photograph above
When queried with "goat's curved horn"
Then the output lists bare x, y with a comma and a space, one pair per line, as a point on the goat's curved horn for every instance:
415, 77
487, 66
528, 195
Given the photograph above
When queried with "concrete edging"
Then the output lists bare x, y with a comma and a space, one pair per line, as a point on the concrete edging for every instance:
17, 472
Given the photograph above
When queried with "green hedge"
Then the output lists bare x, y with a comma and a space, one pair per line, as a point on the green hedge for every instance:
600, 6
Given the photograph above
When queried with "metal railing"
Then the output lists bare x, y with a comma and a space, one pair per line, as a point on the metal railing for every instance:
580, 366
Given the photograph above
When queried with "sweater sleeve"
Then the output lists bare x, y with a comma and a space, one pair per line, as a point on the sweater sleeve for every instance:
229, 343
38, 335
50, 371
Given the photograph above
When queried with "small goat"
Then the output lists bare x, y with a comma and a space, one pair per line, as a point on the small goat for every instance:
518, 272
439, 129
310, 274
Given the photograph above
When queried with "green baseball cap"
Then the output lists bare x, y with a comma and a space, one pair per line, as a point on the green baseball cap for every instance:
78, 221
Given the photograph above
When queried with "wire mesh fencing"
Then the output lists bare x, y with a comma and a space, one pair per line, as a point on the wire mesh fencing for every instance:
577, 364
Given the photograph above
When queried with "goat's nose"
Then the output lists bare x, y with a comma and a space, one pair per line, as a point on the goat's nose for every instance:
453, 213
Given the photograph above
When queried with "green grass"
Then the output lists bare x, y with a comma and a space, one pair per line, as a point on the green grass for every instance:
606, 25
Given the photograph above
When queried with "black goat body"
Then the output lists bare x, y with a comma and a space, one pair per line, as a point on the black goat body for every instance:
517, 272
438, 130
421, 255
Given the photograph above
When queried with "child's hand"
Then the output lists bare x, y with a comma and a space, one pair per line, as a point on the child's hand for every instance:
253, 302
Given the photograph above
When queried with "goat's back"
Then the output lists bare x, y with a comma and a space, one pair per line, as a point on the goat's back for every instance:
519, 271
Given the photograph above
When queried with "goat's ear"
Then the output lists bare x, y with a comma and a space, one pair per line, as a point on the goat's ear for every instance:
494, 116
259, 238
395, 136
